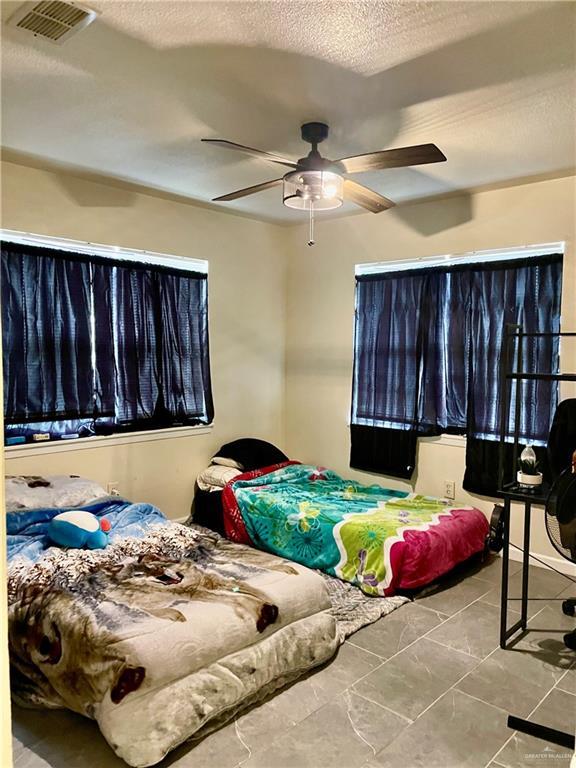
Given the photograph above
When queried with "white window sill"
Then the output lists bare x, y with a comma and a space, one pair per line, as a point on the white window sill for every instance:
102, 441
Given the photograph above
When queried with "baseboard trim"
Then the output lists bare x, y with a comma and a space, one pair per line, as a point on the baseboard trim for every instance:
559, 563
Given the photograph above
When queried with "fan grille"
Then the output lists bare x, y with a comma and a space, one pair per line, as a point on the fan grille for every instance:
553, 529
561, 520
52, 19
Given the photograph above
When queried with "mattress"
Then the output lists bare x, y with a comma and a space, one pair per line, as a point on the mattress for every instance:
379, 539
163, 635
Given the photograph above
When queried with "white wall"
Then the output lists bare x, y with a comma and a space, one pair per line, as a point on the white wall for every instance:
321, 312
247, 320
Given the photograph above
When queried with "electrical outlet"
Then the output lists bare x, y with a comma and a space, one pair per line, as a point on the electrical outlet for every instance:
449, 489
113, 488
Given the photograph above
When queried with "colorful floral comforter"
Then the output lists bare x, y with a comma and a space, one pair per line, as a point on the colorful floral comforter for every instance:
379, 539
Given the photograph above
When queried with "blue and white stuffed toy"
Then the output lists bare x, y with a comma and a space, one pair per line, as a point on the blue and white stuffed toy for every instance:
79, 529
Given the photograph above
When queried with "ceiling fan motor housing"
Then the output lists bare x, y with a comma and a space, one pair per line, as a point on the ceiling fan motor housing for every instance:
314, 133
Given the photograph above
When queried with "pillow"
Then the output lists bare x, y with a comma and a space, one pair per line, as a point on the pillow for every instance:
251, 453
226, 462
216, 477
34, 491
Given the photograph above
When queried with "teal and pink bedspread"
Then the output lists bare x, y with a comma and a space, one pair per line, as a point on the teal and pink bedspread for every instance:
379, 539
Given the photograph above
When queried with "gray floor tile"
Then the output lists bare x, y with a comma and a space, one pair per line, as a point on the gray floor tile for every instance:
72, 740
377, 725
456, 732
570, 591
278, 714
348, 666
416, 677
338, 734
491, 570
514, 679
30, 726
558, 710
389, 635
542, 584
568, 682
222, 748
450, 597
552, 619
475, 630
546, 632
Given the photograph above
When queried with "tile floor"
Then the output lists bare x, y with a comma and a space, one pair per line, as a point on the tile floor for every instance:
425, 686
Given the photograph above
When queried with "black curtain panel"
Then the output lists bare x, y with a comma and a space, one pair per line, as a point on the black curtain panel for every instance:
388, 349
46, 335
525, 293
121, 342
428, 343
185, 361
387, 352
137, 351
160, 331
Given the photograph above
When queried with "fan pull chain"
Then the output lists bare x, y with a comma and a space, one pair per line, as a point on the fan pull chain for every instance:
311, 231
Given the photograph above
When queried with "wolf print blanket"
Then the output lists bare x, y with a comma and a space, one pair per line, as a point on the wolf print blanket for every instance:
379, 539
108, 633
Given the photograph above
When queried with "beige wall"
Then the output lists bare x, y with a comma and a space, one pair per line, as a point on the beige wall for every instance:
268, 289
321, 311
247, 319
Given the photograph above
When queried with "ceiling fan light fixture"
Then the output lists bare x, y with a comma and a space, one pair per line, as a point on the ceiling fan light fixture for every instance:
320, 190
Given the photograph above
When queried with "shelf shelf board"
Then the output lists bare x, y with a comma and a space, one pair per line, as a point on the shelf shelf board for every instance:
538, 496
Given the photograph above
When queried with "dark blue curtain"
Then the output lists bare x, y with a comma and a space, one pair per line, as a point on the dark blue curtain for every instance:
160, 332
388, 349
525, 294
428, 345
185, 362
120, 343
46, 336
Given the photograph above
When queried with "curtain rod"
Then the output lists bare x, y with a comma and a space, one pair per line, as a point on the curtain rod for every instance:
471, 257
106, 251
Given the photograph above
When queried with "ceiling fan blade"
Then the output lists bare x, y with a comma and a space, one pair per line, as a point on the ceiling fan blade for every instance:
248, 191
365, 197
254, 152
392, 158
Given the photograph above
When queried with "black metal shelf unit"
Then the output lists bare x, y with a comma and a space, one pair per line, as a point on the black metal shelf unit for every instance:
510, 491
511, 375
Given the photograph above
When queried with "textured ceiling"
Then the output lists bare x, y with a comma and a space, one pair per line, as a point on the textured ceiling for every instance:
493, 84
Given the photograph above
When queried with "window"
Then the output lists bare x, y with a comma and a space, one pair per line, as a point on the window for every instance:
427, 351
96, 342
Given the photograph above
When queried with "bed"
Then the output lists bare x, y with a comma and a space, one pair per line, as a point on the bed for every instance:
379, 539
382, 540
166, 633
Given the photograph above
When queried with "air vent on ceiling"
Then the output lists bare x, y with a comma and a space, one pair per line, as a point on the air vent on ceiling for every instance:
53, 20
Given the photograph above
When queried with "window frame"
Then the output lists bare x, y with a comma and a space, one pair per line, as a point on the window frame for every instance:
116, 253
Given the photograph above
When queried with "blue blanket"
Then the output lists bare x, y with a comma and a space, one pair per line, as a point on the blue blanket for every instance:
27, 530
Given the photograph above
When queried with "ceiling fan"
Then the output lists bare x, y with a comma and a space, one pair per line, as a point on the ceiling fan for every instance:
316, 183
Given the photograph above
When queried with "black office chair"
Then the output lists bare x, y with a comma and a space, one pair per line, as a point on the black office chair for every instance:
561, 528
561, 503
